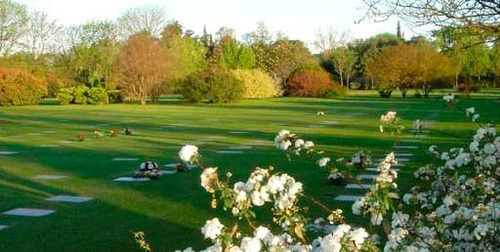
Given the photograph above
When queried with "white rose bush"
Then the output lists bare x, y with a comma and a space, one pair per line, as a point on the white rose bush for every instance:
455, 207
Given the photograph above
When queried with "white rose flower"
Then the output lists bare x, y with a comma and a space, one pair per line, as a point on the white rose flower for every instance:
376, 219
358, 236
212, 229
214, 248
489, 148
475, 117
257, 199
188, 152
474, 146
251, 244
209, 179
358, 206
308, 145
323, 162
299, 143
284, 145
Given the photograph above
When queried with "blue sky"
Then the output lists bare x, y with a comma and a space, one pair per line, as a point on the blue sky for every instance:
298, 19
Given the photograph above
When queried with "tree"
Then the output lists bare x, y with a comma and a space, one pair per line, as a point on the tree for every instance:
42, 34
289, 56
237, 56
13, 20
476, 17
476, 61
410, 66
343, 59
261, 42
92, 51
369, 64
495, 64
148, 19
188, 53
143, 67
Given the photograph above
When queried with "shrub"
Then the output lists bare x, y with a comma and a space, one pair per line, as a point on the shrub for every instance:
80, 94
20, 88
336, 91
65, 96
194, 87
97, 95
256, 84
115, 96
385, 93
224, 87
310, 83
215, 85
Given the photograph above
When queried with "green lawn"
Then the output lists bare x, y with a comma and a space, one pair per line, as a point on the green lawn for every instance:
172, 210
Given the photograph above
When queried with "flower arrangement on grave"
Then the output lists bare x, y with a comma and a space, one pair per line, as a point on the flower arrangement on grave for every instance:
98, 134
81, 137
148, 169
127, 131
115, 132
417, 126
360, 159
320, 113
190, 158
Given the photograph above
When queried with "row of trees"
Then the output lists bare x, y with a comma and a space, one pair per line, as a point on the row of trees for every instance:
145, 55
388, 61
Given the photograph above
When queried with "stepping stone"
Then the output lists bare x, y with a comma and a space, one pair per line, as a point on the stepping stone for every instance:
376, 169
29, 212
168, 172
50, 177
238, 132
71, 199
411, 141
262, 143
397, 159
3, 227
406, 147
65, 142
347, 198
49, 131
361, 186
316, 126
230, 152
8, 152
367, 176
130, 179
49, 145
403, 154
240, 147
171, 165
422, 131
217, 137
330, 122
126, 159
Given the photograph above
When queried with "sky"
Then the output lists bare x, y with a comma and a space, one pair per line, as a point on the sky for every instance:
299, 19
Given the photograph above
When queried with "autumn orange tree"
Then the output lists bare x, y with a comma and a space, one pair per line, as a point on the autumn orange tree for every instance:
144, 66
408, 66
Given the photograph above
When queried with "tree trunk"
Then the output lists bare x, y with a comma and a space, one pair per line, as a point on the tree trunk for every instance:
456, 81
373, 83
341, 80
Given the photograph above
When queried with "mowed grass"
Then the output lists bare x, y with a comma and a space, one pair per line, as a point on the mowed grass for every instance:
172, 210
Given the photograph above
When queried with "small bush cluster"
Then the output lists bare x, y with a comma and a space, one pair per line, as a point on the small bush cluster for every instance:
82, 95
310, 83
20, 88
214, 85
257, 84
